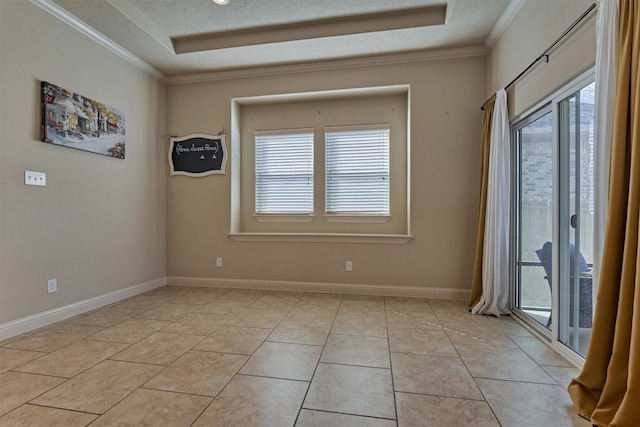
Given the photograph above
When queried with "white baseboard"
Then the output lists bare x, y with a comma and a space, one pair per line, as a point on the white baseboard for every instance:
29, 323
341, 288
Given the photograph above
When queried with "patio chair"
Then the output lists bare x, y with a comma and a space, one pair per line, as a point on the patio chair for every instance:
585, 306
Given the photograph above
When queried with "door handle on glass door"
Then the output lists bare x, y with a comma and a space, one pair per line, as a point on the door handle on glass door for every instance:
574, 221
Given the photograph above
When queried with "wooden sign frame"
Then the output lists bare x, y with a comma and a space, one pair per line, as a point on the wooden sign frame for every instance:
198, 155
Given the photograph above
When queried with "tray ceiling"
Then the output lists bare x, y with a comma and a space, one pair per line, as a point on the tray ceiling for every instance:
182, 37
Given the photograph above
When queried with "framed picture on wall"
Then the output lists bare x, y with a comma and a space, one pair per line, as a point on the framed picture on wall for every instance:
75, 121
198, 155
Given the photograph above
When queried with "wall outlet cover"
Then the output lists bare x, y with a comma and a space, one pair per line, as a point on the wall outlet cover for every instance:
35, 178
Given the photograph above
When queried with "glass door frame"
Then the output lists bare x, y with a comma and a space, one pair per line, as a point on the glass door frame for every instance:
516, 220
570, 311
560, 209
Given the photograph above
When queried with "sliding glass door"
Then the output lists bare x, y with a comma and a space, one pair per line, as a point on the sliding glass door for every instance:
575, 293
553, 218
535, 151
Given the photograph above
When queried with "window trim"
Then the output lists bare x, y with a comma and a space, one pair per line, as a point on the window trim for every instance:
388, 239
236, 231
357, 219
284, 218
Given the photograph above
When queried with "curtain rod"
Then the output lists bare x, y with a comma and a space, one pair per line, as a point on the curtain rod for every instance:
545, 54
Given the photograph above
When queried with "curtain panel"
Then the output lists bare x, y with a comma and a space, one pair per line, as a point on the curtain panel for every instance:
485, 142
607, 391
495, 257
606, 63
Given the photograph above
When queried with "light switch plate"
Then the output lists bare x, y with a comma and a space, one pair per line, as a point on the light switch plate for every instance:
35, 178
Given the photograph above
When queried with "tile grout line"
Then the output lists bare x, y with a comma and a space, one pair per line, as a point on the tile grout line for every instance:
393, 384
246, 302
304, 398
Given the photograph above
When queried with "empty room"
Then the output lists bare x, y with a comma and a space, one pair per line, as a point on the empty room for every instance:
319, 213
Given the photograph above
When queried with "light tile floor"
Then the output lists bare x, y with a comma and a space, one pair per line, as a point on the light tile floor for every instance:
187, 356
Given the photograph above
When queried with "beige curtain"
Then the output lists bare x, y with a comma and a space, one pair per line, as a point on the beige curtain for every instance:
607, 391
476, 284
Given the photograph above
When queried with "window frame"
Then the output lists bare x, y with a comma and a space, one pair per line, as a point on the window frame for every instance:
354, 215
284, 215
272, 111
551, 101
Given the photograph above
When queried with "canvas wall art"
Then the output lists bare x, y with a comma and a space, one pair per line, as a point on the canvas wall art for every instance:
75, 121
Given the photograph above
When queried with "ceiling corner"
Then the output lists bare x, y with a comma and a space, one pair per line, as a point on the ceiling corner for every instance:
504, 21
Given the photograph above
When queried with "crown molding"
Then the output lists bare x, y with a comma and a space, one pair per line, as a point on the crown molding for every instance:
284, 69
330, 65
143, 22
99, 38
505, 19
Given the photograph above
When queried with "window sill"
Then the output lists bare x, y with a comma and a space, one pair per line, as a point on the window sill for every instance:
388, 239
284, 218
357, 219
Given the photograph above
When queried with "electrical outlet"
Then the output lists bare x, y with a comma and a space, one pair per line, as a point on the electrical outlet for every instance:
35, 178
219, 262
52, 285
349, 266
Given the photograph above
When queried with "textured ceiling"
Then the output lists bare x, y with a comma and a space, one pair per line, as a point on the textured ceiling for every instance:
148, 29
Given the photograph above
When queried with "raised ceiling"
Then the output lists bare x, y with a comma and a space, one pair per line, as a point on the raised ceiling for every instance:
184, 37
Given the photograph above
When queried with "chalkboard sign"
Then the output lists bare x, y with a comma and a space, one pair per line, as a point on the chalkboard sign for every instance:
198, 155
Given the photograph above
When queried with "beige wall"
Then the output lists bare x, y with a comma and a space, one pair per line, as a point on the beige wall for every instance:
99, 224
445, 118
536, 26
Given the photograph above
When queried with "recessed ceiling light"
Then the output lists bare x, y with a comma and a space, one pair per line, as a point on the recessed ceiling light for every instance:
221, 1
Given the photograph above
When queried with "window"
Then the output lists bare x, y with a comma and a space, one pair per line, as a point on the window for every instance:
281, 186
284, 172
357, 170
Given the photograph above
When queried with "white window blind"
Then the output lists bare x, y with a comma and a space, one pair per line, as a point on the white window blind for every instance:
357, 170
284, 171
